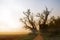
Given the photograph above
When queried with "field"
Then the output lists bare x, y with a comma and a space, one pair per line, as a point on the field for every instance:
17, 37
27, 37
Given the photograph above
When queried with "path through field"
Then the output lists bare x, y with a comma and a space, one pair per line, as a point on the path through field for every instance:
38, 37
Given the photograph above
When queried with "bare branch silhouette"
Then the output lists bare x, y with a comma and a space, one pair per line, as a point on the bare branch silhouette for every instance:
29, 21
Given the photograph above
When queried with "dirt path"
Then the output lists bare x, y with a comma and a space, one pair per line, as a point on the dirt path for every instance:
38, 37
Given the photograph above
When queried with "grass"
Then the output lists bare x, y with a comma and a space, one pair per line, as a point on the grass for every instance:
28, 37
17, 37
51, 37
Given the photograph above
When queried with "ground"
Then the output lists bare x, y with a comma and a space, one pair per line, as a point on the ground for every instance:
29, 37
17, 37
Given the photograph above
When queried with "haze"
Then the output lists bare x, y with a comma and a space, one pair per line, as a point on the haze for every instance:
11, 11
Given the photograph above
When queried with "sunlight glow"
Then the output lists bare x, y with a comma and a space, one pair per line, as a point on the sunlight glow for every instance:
9, 17
7, 21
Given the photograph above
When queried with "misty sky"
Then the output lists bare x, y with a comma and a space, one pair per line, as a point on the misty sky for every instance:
11, 11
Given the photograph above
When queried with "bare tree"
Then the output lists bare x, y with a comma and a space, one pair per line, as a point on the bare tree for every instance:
43, 20
29, 21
